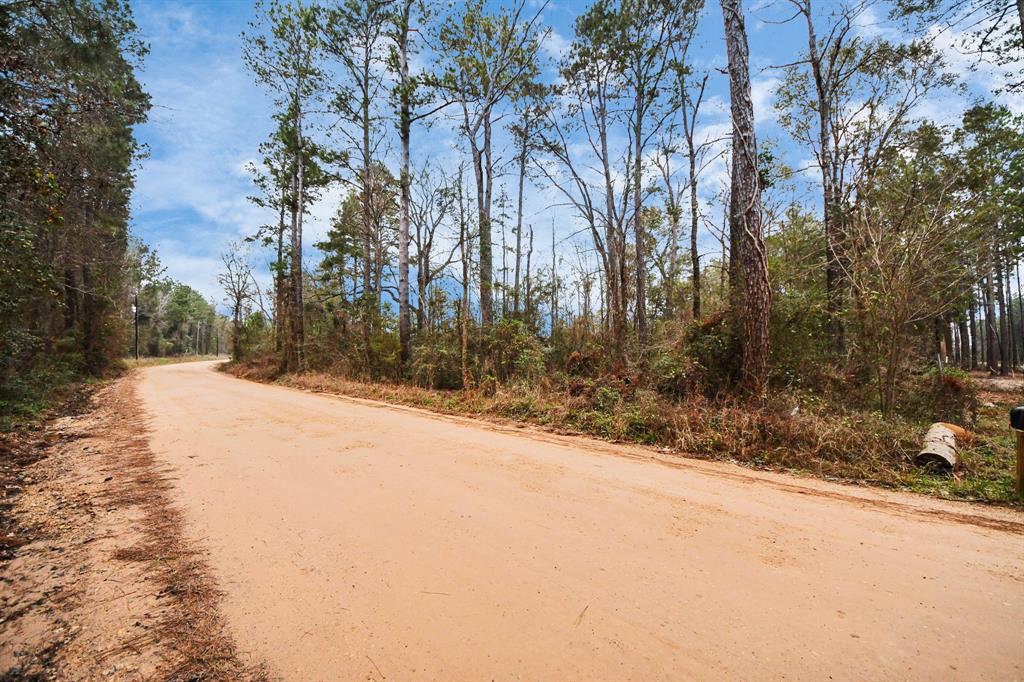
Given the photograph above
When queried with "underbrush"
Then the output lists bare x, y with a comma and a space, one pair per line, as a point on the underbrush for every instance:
26, 399
792, 431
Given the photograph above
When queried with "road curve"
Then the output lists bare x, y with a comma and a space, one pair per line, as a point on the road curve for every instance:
359, 541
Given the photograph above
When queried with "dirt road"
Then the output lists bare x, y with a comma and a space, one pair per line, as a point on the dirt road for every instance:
357, 541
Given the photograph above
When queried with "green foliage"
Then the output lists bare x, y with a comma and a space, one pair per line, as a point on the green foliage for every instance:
796, 259
68, 101
436, 363
516, 353
256, 338
677, 375
713, 349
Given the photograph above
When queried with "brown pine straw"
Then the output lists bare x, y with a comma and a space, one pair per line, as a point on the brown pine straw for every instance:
191, 636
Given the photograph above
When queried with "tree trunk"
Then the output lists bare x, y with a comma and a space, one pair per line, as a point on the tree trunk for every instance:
482, 170
554, 283
689, 123
990, 327
422, 268
947, 337
529, 281
833, 267
735, 241
504, 272
975, 346
405, 124
1020, 299
638, 226
280, 304
694, 218
369, 299
298, 326
236, 332
464, 304
746, 199
671, 273
519, 224
1011, 325
965, 344
1004, 336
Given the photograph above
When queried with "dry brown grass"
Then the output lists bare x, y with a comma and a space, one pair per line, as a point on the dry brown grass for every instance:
191, 632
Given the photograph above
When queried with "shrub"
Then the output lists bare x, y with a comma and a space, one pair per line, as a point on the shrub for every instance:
515, 353
437, 363
675, 374
949, 396
605, 399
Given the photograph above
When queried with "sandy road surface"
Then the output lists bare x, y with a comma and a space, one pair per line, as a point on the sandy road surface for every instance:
355, 541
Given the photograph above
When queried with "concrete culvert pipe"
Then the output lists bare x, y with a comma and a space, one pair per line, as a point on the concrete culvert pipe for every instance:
939, 451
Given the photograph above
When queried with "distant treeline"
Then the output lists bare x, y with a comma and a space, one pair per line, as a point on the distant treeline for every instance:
175, 319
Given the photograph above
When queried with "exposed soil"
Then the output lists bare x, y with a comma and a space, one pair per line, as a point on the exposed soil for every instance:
999, 389
356, 540
98, 580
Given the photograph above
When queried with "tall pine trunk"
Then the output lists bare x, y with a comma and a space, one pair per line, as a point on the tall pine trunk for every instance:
298, 323
1011, 325
369, 296
1020, 310
280, 302
990, 327
404, 132
482, 172
833, 267
694, 218
746, 203
975, 345
965, 343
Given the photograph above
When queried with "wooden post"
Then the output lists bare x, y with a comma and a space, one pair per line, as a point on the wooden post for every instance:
1017, 424
1020, 465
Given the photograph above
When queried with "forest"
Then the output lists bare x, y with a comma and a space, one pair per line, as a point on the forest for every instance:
699, 302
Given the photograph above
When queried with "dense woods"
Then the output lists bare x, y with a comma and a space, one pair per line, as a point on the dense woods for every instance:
68, 101
78, 291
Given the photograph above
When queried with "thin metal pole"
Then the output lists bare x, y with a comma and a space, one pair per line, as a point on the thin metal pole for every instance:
136, 325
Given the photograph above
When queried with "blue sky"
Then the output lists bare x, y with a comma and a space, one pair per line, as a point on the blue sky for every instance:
209, 117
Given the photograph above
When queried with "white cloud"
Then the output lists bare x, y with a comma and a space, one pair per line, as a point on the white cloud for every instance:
555, 46
762, 94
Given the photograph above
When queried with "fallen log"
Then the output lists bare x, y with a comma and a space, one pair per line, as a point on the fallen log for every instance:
939, 451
